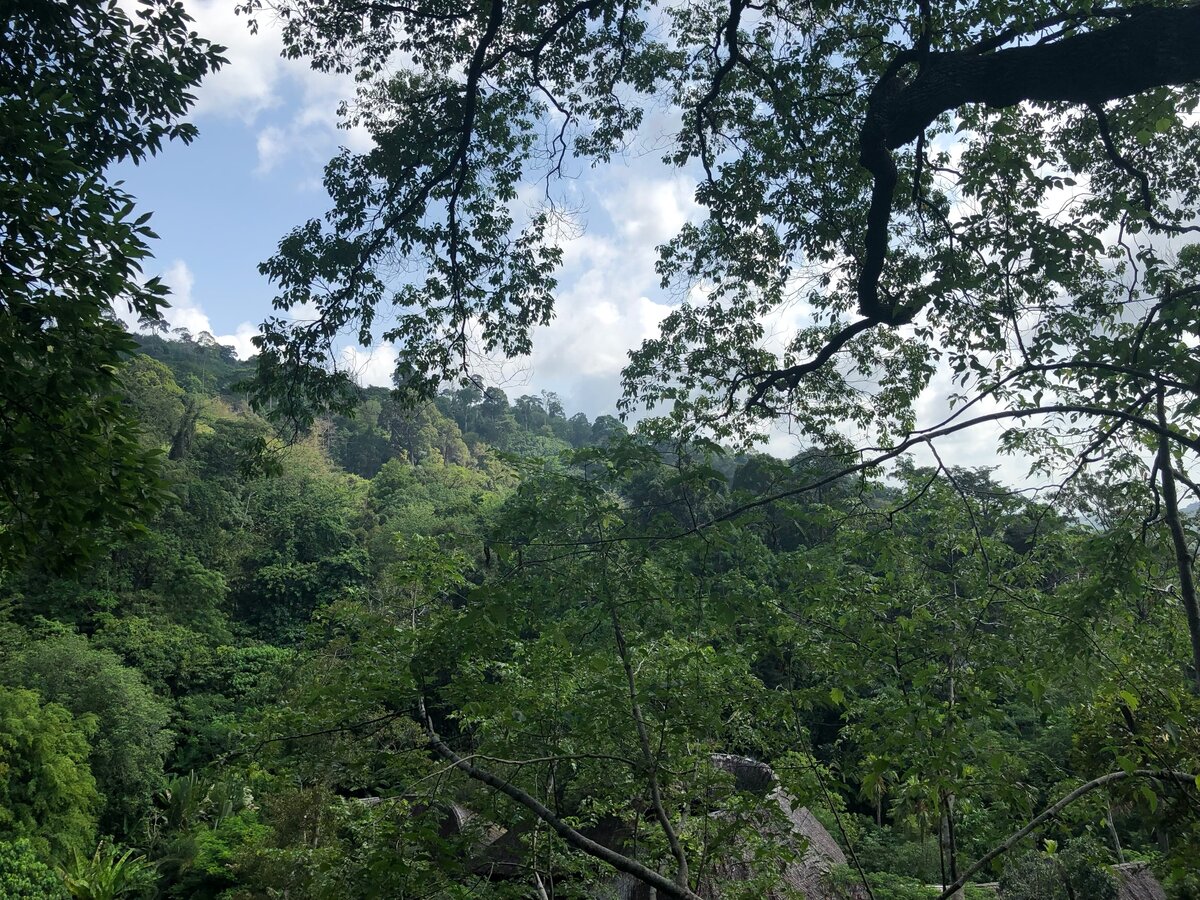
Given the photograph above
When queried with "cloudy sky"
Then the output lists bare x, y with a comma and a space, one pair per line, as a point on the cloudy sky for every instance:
267, 127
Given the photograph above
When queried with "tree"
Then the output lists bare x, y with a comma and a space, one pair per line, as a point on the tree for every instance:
159, 403
85, 86
25, 877
302, 551
131, 740
999, 191
48, 793
589, 690
768, 97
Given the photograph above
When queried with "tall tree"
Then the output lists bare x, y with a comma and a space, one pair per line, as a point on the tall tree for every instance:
1001, 191
82, 86
821, 134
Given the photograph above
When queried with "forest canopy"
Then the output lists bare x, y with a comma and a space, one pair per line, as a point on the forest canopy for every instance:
265, 632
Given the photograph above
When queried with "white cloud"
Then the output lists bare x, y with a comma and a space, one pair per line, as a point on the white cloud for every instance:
649, 212
249, 83
185, 312
608, 303
257, 82
370, 366
271, 149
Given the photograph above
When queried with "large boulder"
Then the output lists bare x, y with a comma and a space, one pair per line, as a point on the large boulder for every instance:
502, 854
817, 853
1136, 882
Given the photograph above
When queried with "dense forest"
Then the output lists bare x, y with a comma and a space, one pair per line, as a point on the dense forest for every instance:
268, 633
227, 704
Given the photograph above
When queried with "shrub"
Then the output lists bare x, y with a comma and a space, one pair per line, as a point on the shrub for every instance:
108, 875
1042, 876
25, 877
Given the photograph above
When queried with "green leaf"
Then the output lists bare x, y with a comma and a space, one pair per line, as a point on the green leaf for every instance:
1130, 700
1150, 797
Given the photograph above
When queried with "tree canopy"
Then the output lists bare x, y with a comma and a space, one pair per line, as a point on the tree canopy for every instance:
983, 186
84, 85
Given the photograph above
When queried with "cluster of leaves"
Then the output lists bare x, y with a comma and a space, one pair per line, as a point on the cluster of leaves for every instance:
86, 85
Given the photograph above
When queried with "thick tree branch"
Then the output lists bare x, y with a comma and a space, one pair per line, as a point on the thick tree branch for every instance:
1052, 811
474, 75
790, 377
1152, 47
576, 839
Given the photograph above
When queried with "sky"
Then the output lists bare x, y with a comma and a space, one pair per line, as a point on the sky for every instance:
267, 127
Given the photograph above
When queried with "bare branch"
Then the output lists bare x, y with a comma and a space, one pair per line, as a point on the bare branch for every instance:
1052, 811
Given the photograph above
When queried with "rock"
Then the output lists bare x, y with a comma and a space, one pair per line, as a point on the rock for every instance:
819, 852
1137, 882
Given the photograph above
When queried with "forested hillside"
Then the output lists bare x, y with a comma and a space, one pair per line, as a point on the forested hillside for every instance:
266, 633
258, 693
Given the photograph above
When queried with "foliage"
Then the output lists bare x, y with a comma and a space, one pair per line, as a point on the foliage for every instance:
149, 388
214, 366
25, 877
268, 665
109, 874
131, 739
846, 882
47, 793
889, 849
1185, 886
86, 86
1050, 876
303, 552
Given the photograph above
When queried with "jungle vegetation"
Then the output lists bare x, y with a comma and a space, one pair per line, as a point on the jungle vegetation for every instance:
267, 633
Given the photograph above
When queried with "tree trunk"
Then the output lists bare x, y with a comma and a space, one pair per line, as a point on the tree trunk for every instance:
1183, 557
1112, 833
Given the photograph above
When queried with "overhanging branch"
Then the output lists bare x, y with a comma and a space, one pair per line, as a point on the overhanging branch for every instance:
576, 839
1152, 47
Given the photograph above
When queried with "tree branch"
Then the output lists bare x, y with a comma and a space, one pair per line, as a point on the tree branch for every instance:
1143, 180
1151, 47
1052, 811
648, 760
1183, 558
576, 839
